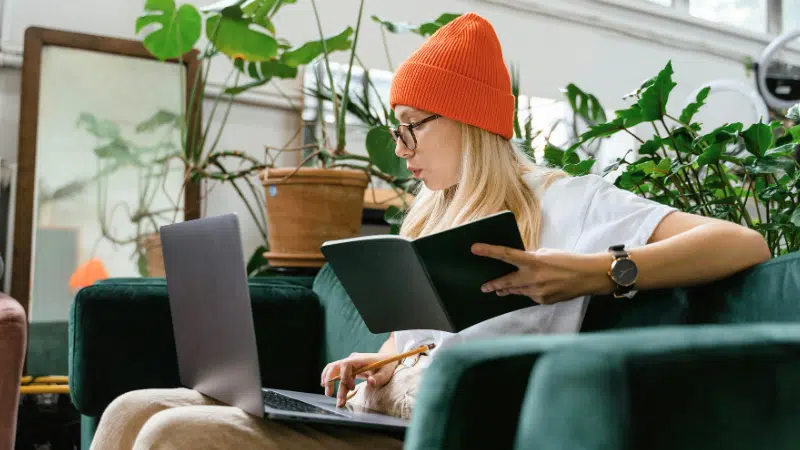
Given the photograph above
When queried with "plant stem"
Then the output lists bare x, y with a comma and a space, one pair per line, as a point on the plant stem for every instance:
729, 188
377, 94
635, 136
224, 117
263, 216
244, 199
287, 98
682, 124
207, 129
386, 49
340, 135
670, 193
755, 201
327, 64
700, 198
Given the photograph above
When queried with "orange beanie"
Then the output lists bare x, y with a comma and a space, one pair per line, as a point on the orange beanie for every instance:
459, 73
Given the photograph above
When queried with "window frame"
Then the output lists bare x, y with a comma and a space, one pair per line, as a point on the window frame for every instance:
774, 10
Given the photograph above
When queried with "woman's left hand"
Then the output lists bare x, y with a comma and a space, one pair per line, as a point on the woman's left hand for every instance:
548, 276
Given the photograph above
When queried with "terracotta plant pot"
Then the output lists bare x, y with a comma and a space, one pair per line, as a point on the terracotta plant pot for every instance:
310, 207
154, 255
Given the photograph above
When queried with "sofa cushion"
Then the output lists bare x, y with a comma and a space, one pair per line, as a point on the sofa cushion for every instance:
769, 292
345, 330
121, 339
646, 308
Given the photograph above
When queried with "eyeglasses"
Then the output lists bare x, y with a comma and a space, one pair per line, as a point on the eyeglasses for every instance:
405, 132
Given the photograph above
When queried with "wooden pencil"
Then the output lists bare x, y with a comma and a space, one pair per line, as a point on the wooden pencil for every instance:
383, 362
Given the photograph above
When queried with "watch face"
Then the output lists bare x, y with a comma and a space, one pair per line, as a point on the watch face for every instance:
624, 271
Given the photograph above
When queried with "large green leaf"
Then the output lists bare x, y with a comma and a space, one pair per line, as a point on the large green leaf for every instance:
179, 31
553, 155
585, 105
630, 117
310, 50
796, 217
651, 147
101, 128
795, 132
380, 147
758, 139
571, 157
428, 28
239, 38
394, 27
680, 139
784, 151
581, 168
276, 69
764, 165
602, 130
710, 155
654, 98
692, 108
721, 135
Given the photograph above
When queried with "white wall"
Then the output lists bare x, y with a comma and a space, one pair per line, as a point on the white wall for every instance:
606, 47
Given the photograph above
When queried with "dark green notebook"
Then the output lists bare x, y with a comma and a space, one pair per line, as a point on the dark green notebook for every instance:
433, 282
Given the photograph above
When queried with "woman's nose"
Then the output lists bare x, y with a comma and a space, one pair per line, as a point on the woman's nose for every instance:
401, 150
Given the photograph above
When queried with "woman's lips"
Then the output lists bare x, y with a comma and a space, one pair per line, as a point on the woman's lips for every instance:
415, 172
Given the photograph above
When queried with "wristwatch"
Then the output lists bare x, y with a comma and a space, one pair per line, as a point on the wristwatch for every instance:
623, 271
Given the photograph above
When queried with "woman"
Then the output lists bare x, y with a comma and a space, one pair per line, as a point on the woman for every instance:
584, 236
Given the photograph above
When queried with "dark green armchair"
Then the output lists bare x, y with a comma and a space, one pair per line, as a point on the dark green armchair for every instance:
716, 366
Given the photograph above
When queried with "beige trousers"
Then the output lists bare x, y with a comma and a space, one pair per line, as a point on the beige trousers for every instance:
185, 419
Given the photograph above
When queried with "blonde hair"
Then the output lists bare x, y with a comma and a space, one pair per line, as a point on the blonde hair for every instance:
490, 181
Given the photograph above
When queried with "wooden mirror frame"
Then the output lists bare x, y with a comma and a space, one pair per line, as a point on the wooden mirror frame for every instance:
35, 39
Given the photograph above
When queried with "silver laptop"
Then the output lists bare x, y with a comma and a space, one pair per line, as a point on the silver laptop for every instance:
215, 338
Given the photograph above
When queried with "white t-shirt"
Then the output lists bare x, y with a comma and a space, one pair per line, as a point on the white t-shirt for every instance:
585, 214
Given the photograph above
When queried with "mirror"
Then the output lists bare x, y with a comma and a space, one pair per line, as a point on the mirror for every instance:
99, 171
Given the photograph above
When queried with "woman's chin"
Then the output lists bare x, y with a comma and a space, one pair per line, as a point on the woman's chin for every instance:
433, 185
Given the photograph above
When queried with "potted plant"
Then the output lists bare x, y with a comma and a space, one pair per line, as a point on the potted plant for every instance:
244, 33
748, 174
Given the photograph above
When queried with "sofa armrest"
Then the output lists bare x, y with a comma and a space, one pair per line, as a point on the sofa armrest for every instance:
708, 387
121, 339
474, 394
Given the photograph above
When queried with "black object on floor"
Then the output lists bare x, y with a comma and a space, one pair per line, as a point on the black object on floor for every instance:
47, 422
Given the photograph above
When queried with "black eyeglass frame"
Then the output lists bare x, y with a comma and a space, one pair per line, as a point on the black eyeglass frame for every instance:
410, 126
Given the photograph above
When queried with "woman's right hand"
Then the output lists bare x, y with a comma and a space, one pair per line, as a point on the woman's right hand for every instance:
344, 368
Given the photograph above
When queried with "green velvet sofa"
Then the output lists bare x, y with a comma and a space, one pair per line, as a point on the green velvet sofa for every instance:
715, 366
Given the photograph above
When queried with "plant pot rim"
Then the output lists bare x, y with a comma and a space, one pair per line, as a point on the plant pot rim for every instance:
276, 175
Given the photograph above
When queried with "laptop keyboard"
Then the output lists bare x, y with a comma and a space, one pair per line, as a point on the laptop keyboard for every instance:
279, 401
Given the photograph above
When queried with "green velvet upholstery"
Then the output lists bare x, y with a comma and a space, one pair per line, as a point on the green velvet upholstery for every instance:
708, 387
345, 331
120, 340
610, 390
48, 348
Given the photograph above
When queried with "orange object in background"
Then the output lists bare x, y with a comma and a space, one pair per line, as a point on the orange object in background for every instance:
87, 274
